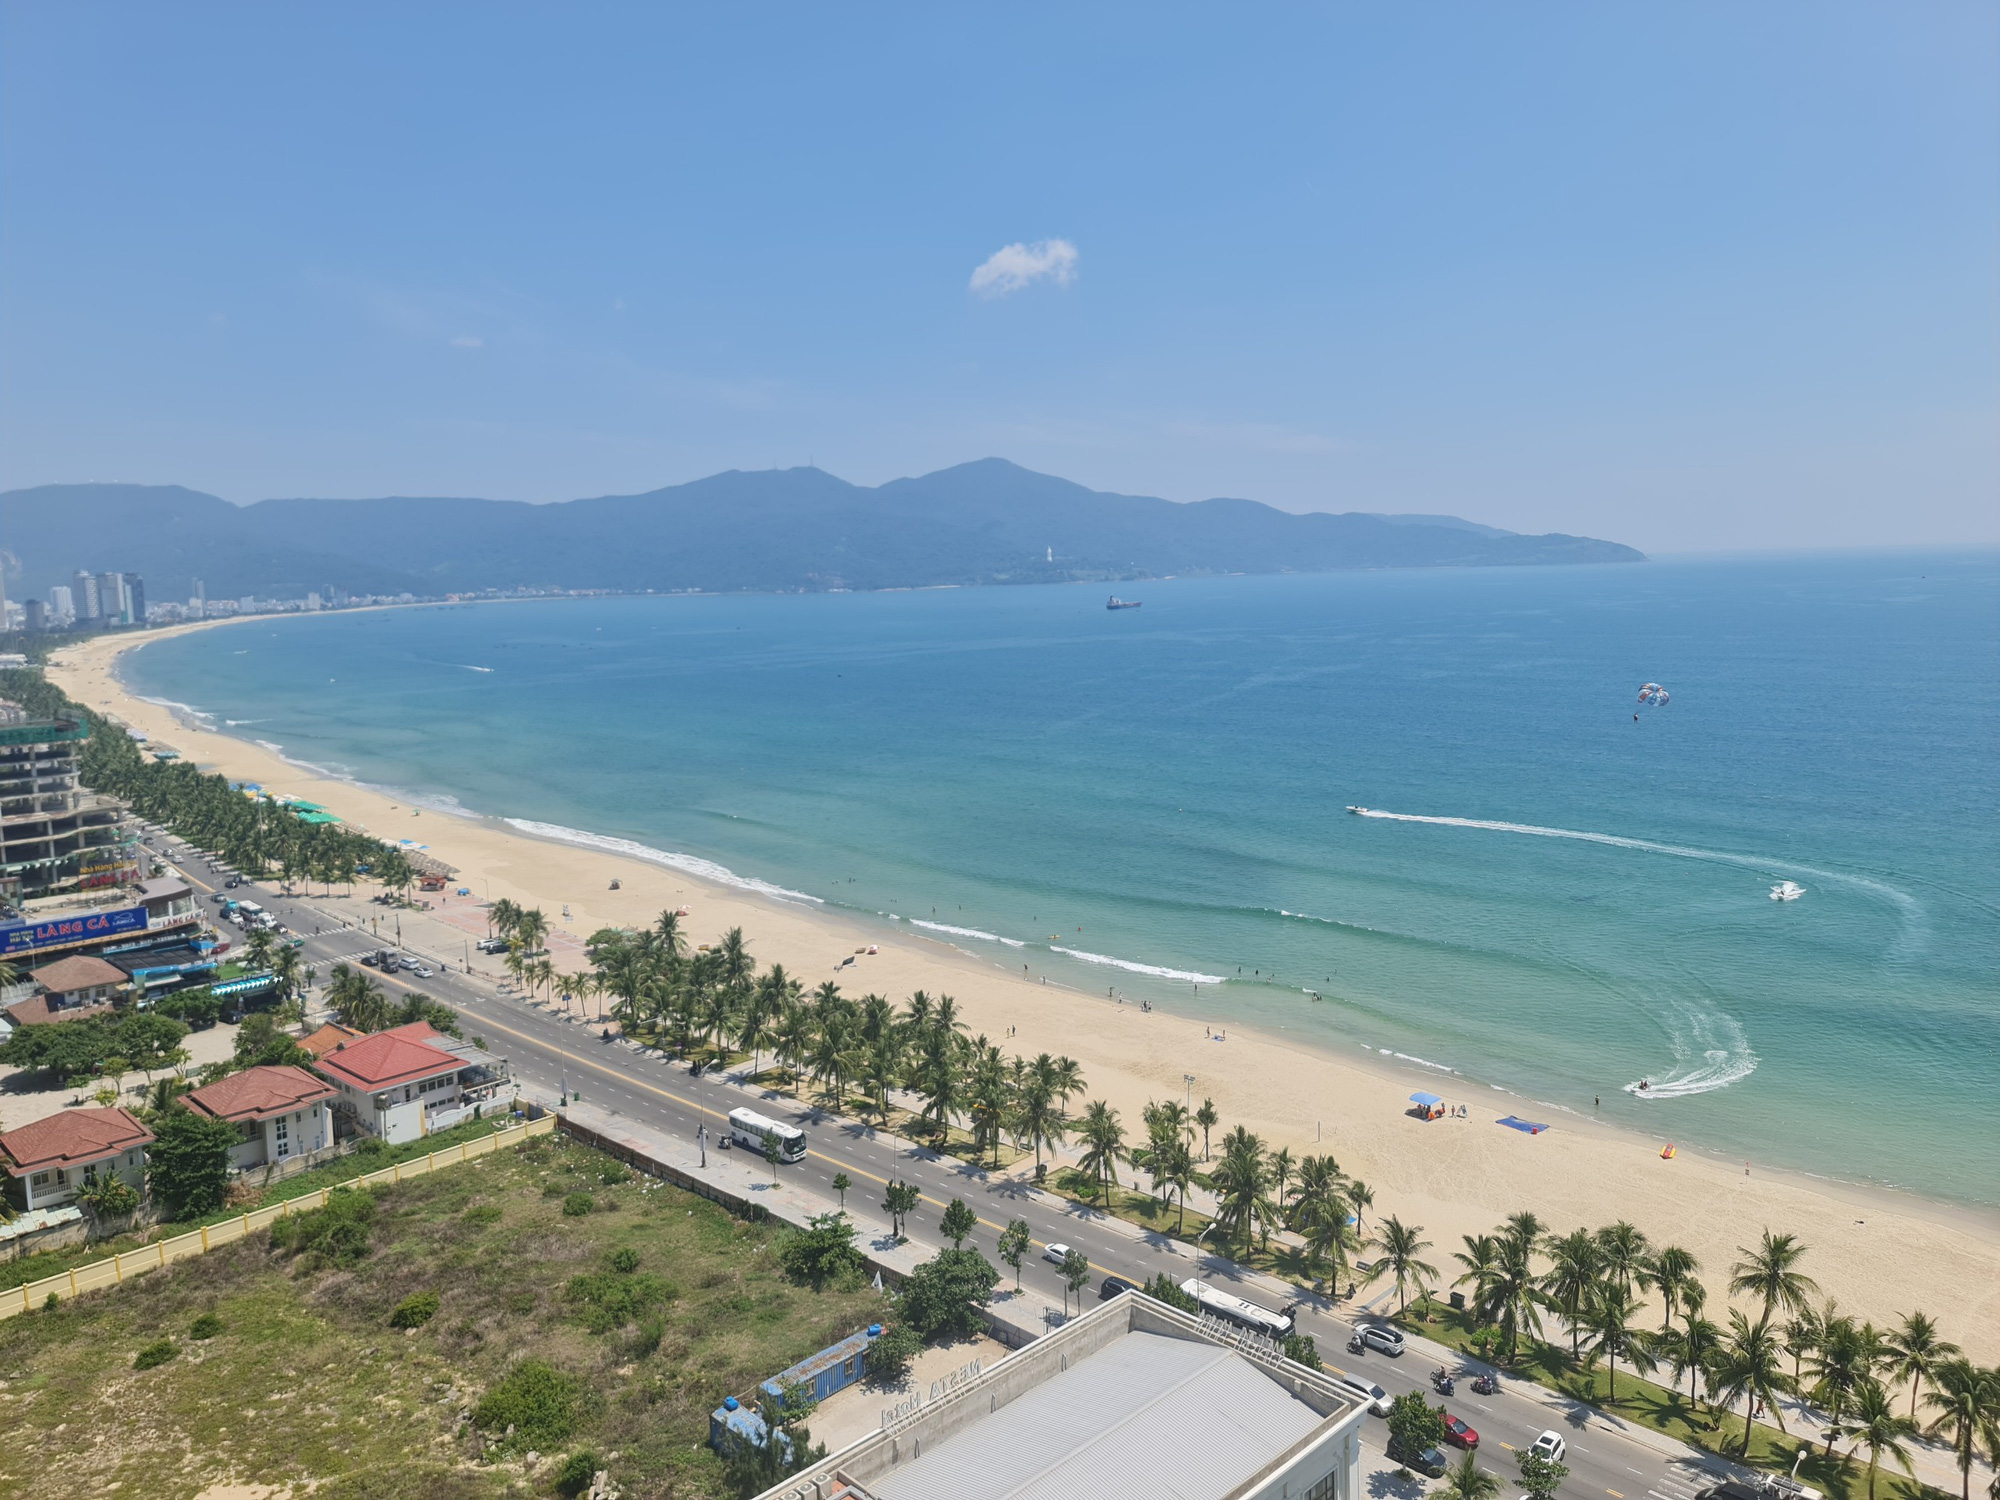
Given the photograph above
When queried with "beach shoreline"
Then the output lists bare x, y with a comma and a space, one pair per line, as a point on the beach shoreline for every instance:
1877, 1250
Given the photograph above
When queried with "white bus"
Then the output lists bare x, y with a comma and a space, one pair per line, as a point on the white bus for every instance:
1235, 1310
748, 1129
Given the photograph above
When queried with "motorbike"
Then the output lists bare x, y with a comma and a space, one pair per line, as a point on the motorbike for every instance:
1354, 1344
1442, 1382
1485, 1385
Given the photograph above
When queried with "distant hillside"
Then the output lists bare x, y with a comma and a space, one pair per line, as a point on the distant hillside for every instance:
984, 522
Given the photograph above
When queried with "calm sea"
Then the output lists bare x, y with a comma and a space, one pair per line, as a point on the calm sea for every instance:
1568, 900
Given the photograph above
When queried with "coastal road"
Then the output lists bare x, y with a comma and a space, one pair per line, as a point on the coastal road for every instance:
549, 1054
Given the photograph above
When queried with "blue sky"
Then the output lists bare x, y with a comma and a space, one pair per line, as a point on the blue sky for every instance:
1691, 276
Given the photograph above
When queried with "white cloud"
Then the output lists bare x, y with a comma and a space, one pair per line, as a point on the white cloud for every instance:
1012, 267
467, 341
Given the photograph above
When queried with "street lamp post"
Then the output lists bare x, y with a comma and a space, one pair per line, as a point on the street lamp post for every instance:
701, 1140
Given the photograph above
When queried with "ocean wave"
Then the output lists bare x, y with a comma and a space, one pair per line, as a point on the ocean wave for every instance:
1915, 925
689, 864
332, 773
239, 723
180, 710
968, 932
1422, 1062
1135, 968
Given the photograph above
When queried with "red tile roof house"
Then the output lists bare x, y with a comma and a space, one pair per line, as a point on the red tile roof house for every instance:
283, 1112
396, 1084
71, 989
46, 1160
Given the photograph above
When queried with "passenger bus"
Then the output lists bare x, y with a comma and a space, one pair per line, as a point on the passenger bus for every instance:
1235, 1310
748, 1129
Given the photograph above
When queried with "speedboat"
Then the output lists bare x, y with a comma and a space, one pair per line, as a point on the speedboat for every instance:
1786, 890
1358, 811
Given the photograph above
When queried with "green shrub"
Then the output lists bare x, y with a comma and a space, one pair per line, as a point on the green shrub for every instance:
336, 1235
647, 1339
889, 1356
156, 1353
483, 1213
821, 1253
415, 1310
574, 1477
576, 1205
207, 1326
625, 1259
1163, 1288
537, 1400
370, 1145
1300, 1348
944, 1294
612, 1174
610, 1300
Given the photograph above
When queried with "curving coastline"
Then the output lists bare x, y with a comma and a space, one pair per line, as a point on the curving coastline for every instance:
1877, 1251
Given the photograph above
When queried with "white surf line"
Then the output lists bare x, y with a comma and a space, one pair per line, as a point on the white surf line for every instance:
1915, 928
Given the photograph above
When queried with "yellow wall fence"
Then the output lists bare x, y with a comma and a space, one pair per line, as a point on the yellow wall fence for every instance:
113, 1270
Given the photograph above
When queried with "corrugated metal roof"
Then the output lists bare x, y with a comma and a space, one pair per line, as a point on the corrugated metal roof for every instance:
1145, 1416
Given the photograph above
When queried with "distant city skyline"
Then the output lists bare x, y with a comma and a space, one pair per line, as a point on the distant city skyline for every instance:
1699, 279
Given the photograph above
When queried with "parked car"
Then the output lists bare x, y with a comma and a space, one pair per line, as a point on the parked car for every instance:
1430, 1462
1056, 1254
1366, 1392
1458, 1434
492, 945
1550, 1445
1113, 1285
1377, 1336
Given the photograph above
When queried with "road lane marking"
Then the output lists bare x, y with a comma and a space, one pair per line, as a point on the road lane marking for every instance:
1614, 1495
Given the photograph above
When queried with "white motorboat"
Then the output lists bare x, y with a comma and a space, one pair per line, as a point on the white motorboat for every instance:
1786, 890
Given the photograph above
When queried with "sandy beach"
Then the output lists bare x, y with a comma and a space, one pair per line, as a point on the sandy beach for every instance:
1877, 1252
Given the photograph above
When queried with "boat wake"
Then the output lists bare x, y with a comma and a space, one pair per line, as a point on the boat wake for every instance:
689, 864
1186, 976
1710, 1052
1914, 926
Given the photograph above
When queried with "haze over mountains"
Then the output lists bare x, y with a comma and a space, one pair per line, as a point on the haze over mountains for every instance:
978, 523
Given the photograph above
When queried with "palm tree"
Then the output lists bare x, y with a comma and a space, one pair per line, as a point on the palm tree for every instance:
1036, 1121
1282, 1168
792, 1038
1845, 1361
1803, 1332
1622, 1256
987, 1098
1967, 1402
1672, 1270
1363, 1198
1692, 1350
1465, 1480
1103, 1141
1401, 1246
1572, 1276
1242, 1181
1207, 1117
1177, 1175
1068, 1080
1750, 1364
1320, 1213
1607, 1318
1770, 1273
1877, 1427
1915, 1350
1513, 1298
1481, 1259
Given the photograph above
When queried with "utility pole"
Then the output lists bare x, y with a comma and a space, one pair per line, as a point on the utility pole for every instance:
701, 1140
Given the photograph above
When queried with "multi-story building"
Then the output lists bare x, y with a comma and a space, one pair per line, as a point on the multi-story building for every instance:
135, 599
111, 598
62, 604
37, 616
54, 835
88, 606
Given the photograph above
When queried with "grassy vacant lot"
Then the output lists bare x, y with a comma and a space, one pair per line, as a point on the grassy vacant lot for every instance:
26, 1268
307, 1379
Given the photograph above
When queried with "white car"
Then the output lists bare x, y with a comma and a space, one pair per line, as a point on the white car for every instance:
1056, 1254
1366, 1392
1550, 1445
422, 971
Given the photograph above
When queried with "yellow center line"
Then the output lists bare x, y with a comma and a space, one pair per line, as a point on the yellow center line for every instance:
1614, 1495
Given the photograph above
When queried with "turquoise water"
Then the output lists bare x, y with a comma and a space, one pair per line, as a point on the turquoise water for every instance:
1153, 800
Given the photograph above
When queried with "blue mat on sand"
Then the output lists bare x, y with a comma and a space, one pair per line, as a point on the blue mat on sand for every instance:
1518, 1123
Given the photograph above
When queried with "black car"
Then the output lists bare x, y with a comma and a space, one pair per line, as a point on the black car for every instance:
370, 960
1431, 1461
1113, 1285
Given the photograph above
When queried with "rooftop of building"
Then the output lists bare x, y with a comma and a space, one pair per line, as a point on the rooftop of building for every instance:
328, 1037
1131, 1399
74, 1138
81, 972
387, 1059
259, 1093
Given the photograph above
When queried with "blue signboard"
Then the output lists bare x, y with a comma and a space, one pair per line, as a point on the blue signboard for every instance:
28, 937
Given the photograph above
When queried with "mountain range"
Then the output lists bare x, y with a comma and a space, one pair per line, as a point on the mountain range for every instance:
978, 523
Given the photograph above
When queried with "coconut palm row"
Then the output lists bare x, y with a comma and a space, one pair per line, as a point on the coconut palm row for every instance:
1595, 1281
715, 1001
